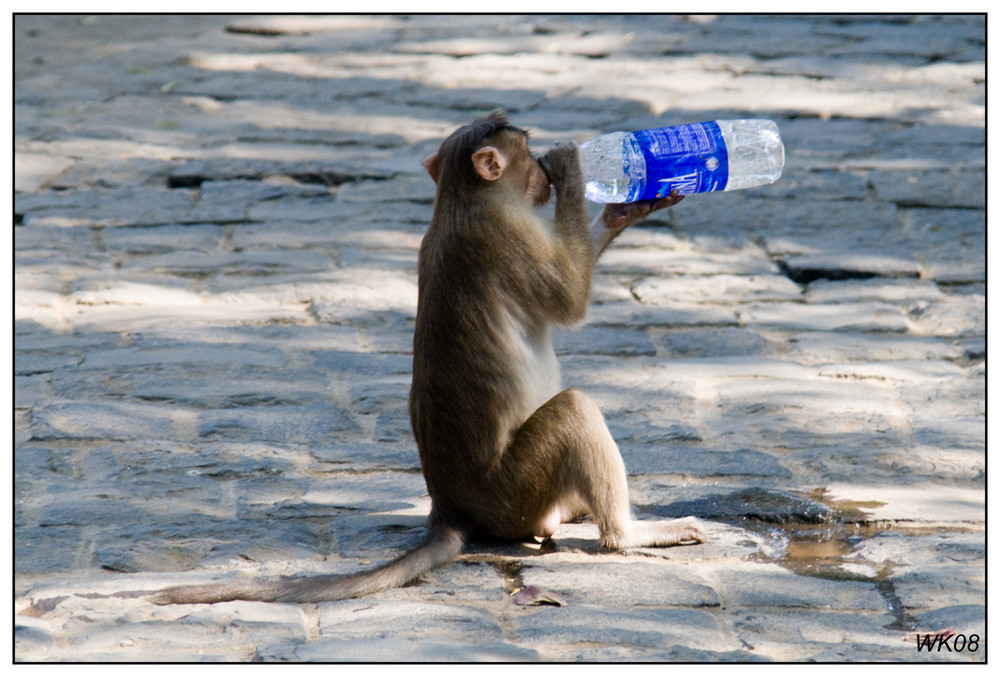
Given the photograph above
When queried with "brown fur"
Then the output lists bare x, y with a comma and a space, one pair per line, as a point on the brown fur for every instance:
504, 450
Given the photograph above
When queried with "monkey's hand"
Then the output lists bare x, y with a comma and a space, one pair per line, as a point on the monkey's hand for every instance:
618, 217
562, 165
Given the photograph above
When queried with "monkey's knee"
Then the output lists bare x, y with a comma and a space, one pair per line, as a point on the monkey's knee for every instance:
578, 404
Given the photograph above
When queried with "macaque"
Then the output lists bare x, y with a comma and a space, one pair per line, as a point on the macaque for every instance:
505, 451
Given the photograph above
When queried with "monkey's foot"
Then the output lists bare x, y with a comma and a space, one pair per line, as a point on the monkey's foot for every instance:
683, 531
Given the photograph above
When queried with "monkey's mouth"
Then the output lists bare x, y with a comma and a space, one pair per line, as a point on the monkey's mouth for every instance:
543, 195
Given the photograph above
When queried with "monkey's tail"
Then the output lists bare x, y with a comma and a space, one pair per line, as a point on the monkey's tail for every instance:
443, 544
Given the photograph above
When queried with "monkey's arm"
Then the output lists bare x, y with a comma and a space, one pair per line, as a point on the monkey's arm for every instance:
562, 167
575, 255
617, 217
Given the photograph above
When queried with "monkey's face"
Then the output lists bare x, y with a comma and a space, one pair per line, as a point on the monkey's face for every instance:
536, 181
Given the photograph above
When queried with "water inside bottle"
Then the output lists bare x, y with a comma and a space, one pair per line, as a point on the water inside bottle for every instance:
614, 168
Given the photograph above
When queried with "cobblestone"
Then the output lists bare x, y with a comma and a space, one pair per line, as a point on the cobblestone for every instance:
216, 226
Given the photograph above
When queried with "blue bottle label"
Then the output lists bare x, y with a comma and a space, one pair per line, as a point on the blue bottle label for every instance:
691, 158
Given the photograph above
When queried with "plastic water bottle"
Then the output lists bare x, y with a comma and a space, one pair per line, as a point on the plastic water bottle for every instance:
694, 158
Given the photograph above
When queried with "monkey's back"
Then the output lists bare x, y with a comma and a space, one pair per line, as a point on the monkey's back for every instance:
481, 363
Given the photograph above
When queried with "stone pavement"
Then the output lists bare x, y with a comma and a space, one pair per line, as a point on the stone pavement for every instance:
216, 227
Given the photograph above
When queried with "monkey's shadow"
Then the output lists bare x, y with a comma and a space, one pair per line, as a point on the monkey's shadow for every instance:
580, 535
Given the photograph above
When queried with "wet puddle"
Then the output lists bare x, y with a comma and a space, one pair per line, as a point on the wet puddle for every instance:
825, 544
811, 535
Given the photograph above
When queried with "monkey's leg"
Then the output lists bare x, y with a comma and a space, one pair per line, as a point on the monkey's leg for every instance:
564, 462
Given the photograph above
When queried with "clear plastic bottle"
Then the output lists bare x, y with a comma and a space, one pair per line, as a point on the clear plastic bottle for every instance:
694, 158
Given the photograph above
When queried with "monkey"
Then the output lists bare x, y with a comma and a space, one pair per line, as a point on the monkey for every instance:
505, 451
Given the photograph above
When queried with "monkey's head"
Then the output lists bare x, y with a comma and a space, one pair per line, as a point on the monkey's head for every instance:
489, 154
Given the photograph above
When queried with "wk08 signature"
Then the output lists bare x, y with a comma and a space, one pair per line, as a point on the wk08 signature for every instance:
947, 640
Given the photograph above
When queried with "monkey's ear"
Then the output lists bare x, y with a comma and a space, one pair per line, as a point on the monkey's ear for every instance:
431, 165
489, 163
